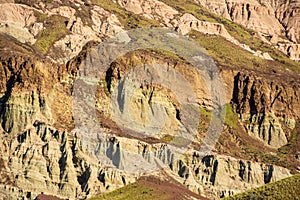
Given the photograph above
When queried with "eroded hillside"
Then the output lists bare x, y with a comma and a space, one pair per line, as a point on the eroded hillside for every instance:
44, 151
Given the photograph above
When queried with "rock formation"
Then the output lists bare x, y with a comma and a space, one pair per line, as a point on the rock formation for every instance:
269, 18
266, 108
44, 150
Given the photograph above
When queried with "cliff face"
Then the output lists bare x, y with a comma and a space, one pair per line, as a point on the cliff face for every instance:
271, 19
223, 176
288, 14
251, 14
42, 149
19, 107
268, 109
37, 157
45, 160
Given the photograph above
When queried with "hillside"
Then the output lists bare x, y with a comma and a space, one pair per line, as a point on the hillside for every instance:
287, 188
150, 188
149, 99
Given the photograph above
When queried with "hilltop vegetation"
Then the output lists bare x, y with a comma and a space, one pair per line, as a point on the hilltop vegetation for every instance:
149, 188
288, 188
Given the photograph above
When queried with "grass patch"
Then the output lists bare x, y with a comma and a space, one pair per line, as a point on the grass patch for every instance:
231, 118
189, 6
167, 138
127, 19
150, 187
128, 192
41, 17
55, 28
205, 112
283, 189
227, 53
230, 55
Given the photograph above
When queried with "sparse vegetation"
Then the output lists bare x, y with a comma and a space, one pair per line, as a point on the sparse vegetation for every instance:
41, 17
149, 188
55, 28
231, 118
133, 191
180, 142
239, 32
166, 54
284, 189
129, 20
167, 138
189, 6
229, 55
205, 117
225, 52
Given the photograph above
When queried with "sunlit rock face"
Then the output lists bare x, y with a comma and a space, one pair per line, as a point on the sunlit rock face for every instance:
43, 149
276, 19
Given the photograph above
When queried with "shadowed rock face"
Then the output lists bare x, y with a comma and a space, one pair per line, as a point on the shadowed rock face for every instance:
40, 151
266, 107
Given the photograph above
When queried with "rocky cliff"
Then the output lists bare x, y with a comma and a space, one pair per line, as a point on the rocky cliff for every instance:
43, 149
276, 21
44, 160
262, 107
39, 158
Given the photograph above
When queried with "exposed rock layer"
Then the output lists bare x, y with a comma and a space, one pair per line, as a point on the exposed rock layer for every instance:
270, 18
269, 109
41, 153
39, 158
